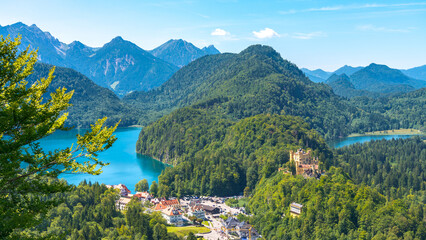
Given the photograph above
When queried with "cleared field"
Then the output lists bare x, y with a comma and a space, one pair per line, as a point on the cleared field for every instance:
390, 132
183, 231
237, 203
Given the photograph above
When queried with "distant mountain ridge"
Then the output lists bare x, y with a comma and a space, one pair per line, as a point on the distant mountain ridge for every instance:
119, 65
89, 101
342, 86
416, 72
180, 52
347, 70
320, 75
51, 50
124, 67
381, 78
317, 75
375, 80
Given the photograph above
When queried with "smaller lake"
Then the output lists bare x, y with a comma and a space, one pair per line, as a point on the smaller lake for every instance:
126, 166
360, 139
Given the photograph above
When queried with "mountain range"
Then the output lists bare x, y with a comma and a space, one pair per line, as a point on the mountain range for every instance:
374, 80
417, 72
89, 101
320, 75
342, 86
119, 65
180, 52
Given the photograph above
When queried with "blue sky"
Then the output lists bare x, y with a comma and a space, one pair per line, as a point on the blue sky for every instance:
312, 34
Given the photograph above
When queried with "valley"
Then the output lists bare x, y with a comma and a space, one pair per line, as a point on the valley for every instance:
300, 154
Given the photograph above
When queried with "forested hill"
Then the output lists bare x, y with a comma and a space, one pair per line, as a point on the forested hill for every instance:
381, 78
255, 81
342, 86
89, 102
333, 208
215, 156
396, 168
406, 110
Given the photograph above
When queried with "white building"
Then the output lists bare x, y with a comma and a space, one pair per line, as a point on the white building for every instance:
143, 196
197, 211
124, 191
295, 209
173, 216
121, 203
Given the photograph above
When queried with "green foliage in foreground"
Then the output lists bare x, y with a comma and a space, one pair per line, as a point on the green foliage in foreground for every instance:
333, 208
214, 156
395, 168
88, 212
28, 175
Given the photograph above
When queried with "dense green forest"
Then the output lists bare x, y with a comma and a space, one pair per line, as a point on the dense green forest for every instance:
405, 111
333, 208
342, 86
255, 81
395, 167
89, 101
88, 212
214, 156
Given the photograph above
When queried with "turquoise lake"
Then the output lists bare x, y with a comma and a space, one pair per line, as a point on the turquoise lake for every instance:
128, 167
351, 140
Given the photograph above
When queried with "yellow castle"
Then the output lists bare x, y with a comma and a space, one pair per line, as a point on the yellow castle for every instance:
305, 163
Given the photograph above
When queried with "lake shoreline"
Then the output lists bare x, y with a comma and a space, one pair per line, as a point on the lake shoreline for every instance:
389, 132
342, 142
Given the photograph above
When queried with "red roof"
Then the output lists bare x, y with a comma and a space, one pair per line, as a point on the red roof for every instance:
159, 206
170, 202
171, 212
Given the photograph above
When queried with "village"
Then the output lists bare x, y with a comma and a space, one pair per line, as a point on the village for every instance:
212, 212
193, 211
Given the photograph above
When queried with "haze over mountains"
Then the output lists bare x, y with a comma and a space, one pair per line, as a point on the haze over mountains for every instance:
320, 75
375, 80
119, 65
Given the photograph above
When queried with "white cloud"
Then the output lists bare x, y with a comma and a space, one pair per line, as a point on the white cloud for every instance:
306, 36
266, 33
219, 32
370, 27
